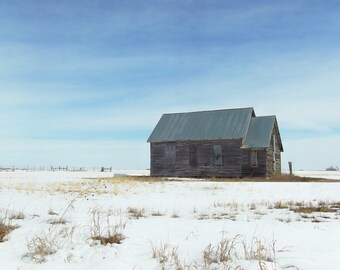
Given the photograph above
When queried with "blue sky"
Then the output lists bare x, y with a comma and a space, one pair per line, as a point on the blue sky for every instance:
83, 83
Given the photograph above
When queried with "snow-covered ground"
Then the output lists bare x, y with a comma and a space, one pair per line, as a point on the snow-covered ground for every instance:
319, 174
167, 223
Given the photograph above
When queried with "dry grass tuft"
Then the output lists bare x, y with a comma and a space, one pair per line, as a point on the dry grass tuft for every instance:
252, 206
136, 212
46, 244
41, 246
17, 215
229, 250
281, 205
335, 205
157, 214
222, 253
109, 234
57, 221
161, 253
313, 209
5, 229
5, 226
51, 212
257, 250
114, 238
226, 254
322, 207
127, 179
67, 233
175, 214
167, 255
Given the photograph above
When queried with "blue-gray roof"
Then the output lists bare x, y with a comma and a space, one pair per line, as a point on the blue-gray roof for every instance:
259, 132
205, 125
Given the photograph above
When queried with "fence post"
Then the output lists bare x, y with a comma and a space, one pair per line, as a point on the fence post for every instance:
290, 164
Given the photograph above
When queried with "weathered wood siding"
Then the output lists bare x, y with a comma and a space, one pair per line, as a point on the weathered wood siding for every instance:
250, 171
198, 159
209, 161
273, 167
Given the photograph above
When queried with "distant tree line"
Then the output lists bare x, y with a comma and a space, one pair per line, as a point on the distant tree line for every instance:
332, 168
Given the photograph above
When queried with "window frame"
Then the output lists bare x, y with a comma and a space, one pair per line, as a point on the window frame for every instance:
217, 155
170, 153
254, 163
193, 155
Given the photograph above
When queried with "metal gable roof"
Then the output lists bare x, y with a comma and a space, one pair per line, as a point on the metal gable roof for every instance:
204, 125
259, 132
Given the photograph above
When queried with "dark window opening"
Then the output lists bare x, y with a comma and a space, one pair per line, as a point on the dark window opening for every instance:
274, 153
217, 155
253, 158
193, 160
170, 153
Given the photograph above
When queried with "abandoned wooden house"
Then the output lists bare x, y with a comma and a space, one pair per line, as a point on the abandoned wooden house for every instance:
219, 143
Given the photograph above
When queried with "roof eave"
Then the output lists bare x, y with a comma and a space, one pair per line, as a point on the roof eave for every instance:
194, 140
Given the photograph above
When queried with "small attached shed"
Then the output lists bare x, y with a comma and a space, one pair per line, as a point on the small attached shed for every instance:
220, 143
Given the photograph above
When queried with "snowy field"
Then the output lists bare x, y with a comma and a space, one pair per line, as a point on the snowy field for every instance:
319, 174
62, 220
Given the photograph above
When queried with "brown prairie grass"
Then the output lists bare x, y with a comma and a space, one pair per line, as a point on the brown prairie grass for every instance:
257, 249
223, 252
136, 212
18, 215
45, 244
230, 205
48, 243
223, 255
252, 206
157, 214
57, 221
274, 178
51, 212
281, 205
114, 238
203, 216
231, 249
5, 226
217, 216
127, 179
162, 252
5, 229
175, 214
41, 246
67, 232
109, 234
308, 208
313, 209
334, 205
260, 208
167, 255
316, 220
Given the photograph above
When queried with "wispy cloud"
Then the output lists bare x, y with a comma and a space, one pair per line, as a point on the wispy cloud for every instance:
99, 71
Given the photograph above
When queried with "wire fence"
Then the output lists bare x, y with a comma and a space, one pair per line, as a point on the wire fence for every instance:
55, 168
